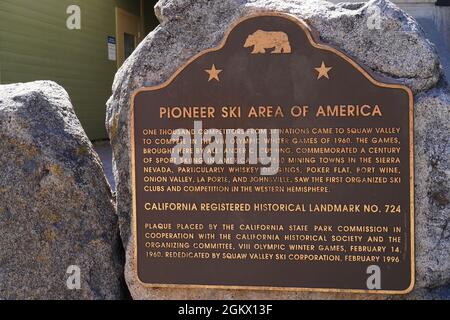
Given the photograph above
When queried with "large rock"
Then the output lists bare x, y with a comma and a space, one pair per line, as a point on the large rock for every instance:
397, 50
56, 207
432, 188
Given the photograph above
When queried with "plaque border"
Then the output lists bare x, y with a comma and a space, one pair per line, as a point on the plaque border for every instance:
315, 41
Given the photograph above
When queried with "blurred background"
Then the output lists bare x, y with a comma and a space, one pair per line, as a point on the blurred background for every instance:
42, 39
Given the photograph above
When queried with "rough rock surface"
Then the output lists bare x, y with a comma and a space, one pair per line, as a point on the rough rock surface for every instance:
432, 187
56, 207
398, 50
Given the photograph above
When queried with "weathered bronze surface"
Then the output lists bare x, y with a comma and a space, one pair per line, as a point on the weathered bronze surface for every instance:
341, 202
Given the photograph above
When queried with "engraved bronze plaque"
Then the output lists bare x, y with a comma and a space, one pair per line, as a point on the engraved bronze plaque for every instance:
337, 215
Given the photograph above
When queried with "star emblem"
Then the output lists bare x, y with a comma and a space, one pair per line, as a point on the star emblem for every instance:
323, 71
213, 73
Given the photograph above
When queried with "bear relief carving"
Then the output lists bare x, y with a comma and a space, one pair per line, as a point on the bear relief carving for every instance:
262, 40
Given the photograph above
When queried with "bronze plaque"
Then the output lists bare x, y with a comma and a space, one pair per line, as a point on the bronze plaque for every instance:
336, 211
